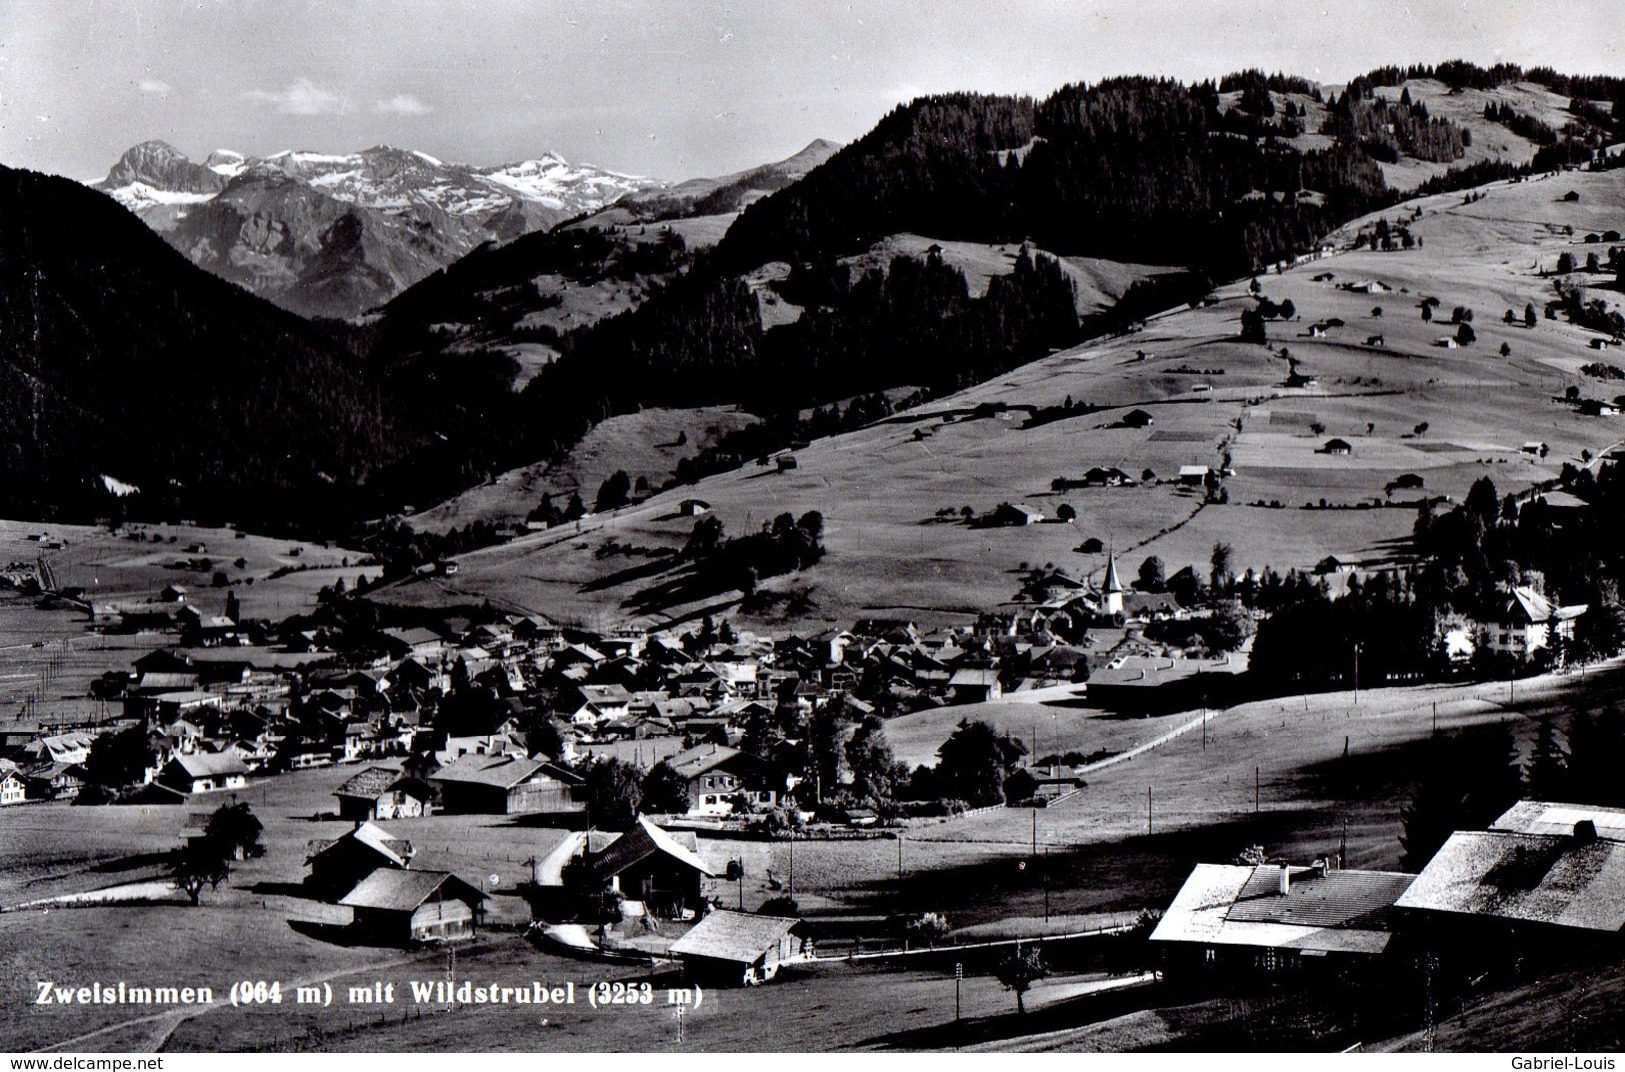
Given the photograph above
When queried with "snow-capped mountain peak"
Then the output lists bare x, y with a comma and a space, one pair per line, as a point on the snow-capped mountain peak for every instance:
337, 233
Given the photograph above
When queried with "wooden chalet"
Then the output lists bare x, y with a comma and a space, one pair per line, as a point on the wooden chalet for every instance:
506, 785
1269, 918
659, 868
740, 949
337, 865
405, 908
384, 793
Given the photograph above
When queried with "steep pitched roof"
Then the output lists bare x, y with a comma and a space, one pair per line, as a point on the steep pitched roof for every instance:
639, 843
1112, 583
398, 851
734, 936
403, 891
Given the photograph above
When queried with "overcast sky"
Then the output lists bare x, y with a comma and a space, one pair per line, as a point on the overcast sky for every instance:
663, 87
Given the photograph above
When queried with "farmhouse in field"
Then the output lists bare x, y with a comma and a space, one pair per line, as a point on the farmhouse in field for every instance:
506, 785
204, 772
1275, 917
718, 774
1016, 514
1193, 475
693, 507
336, 866
1337, 446
383, 793
661, 869
406, 907
1138, 418
740, 949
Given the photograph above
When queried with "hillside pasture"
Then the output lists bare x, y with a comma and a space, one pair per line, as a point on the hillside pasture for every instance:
881, 488
52, 656
643, 444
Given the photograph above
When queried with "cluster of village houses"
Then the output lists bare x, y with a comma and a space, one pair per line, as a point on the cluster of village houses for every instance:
220, 710
237, 699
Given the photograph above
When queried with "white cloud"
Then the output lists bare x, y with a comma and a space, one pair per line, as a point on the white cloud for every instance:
154, 87
401, 104
303, 97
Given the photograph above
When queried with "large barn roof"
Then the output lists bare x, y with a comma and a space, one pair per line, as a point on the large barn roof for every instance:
369, 783
1331, 911
642, 841
1563, 880
404, 891
733, 936
503, 772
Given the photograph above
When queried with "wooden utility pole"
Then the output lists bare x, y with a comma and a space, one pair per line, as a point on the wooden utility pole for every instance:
1148, 809
1255, 791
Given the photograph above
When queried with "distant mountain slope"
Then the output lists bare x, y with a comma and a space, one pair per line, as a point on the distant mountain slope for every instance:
119, 359
1365, 366
805, 300
334, 235
728, 193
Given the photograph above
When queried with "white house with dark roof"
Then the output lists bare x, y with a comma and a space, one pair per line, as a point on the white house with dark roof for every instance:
205, 772
717, 775
1527, 621
13, 786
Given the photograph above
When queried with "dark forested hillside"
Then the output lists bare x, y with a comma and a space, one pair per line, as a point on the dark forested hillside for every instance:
118, 358
1132, 168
